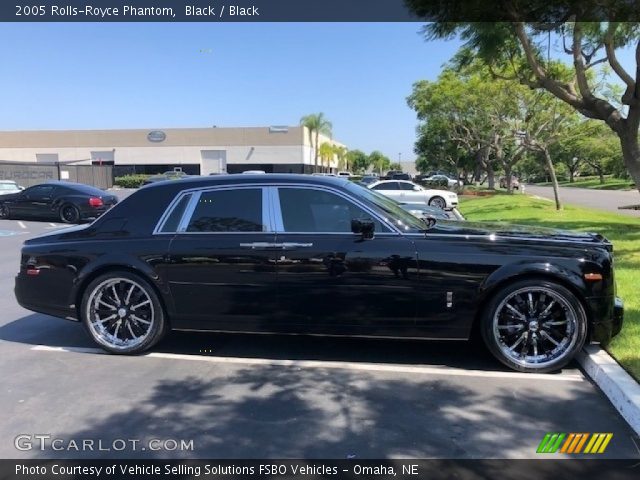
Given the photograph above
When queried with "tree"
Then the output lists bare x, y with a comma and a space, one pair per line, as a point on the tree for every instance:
395, 166
316, 124
467, 116
341, 154
379, 161
521, 46
326, 154
358, 160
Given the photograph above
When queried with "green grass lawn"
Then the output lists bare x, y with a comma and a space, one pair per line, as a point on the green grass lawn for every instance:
610, 183
623, 231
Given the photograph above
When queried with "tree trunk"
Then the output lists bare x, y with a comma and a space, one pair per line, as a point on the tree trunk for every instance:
571, 175
508, 175
491, 176
631, 155
315, 159
552, 172
601, 175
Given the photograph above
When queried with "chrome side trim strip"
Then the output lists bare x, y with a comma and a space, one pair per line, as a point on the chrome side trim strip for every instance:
188, 212
448, 339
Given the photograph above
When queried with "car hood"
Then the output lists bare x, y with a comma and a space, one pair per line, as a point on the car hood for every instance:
499, 230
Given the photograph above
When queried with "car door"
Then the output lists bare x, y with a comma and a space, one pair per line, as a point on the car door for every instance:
412, 193
392, 190
33, 202
220, 268
331, 280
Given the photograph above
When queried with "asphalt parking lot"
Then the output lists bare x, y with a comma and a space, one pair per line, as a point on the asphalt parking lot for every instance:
260, 396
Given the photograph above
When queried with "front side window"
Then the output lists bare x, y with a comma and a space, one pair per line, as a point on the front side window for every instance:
228, 211
309, 210
387, 186
39, 191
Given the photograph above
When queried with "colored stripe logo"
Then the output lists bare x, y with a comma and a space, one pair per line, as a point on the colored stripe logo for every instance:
573, 443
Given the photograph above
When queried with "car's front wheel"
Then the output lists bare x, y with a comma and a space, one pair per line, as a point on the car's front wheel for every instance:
122, 313
534, 326
438, 202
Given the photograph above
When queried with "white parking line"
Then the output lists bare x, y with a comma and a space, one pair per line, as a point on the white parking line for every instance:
370, 367
22, 225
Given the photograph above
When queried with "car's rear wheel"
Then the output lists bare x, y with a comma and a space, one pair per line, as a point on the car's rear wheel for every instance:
438, 202
534, 326
69, 213
4, 211
122, 313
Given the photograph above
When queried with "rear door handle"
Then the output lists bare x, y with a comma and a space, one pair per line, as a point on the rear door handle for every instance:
275, 246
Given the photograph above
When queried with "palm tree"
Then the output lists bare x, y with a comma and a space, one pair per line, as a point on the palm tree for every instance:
317, 124
326, 153
343, 159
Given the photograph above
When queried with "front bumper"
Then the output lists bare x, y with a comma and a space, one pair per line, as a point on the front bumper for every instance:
607, 318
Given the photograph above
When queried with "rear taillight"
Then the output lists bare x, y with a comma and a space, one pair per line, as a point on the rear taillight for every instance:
95, 202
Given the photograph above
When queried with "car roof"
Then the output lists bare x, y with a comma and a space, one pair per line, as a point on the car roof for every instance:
244, 178
379, 182
8, 181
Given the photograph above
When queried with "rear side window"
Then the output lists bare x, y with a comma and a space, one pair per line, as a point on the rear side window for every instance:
172, 222
387, 186
228, 211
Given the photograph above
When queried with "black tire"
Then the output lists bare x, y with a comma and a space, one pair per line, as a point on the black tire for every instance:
150, 323
540, 342
5, 214
438, 202
69, 213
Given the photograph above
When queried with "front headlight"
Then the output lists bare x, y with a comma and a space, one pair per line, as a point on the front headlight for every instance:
453, 196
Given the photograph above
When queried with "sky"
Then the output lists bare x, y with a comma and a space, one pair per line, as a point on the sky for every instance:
101, 76
60, 76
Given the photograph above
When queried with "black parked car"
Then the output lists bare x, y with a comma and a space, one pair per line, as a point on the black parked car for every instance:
63, 201
304, 254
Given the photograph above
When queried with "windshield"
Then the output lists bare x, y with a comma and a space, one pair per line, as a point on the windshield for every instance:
393, 212
8, 186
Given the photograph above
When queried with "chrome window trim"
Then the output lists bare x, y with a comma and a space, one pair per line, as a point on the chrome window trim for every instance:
267, 212
188, 212
275, 222
167, 213
362, 206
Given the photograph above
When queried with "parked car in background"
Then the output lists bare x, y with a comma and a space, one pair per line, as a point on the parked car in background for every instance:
444, 181
63, 201
368, 179
422, 210
397, 175
404, 191
515, 183
9, 186
318, 255
170, 175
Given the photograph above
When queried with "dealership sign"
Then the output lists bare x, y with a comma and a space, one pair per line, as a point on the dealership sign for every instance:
156, 136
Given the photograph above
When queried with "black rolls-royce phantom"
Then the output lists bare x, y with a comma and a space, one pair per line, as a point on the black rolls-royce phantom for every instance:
321, 255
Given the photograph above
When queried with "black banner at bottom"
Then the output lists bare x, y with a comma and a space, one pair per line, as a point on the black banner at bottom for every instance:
316, 469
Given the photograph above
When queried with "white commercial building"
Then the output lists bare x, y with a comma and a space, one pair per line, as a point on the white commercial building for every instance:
277, 149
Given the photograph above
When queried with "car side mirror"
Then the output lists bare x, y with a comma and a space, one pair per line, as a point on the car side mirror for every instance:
430, 221
20, 187
364, 227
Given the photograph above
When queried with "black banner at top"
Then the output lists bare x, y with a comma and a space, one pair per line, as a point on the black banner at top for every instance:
317, 10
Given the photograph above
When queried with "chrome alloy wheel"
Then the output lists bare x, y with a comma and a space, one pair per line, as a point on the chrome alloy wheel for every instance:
535, 326
120, 313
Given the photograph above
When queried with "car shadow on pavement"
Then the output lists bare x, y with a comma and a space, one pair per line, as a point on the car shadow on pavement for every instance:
276, 412
38, 329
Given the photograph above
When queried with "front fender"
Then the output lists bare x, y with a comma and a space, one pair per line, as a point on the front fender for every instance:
563, 273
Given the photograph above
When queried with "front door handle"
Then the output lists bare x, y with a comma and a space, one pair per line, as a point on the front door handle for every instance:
275, 246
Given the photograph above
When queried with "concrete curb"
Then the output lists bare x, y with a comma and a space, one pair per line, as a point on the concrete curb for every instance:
621, 389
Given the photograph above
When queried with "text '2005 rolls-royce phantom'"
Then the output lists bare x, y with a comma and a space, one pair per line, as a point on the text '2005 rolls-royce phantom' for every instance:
319, 255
